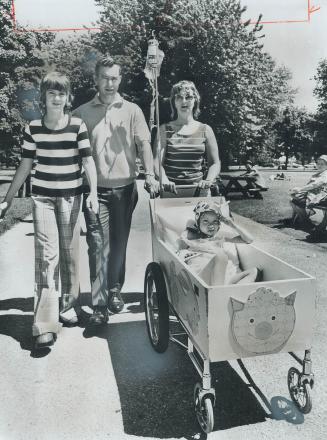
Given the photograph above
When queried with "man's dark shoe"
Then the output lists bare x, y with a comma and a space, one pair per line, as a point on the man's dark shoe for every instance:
116, 303
100, 316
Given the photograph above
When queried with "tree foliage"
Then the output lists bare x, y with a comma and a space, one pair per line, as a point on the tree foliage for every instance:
208, 42
320, 91
21, 63
75, 56
294, 133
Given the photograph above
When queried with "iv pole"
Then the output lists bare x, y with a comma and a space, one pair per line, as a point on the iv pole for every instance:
152, 69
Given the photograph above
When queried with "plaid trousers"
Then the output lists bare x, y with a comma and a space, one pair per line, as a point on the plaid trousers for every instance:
56, 241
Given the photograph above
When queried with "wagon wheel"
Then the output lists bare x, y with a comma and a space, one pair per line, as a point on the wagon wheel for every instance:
299, 392
203, 409
156, 307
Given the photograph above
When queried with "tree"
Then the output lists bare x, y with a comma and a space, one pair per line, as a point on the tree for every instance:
205, 41
21, 62
75, 56
294, 133
320, 91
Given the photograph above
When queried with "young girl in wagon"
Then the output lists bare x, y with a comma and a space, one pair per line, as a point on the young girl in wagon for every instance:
60, 144
210, 250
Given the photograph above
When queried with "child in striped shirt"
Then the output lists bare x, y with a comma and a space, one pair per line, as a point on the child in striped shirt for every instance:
60, 145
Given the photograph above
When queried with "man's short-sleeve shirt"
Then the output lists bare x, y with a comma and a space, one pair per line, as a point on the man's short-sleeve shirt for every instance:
115, 130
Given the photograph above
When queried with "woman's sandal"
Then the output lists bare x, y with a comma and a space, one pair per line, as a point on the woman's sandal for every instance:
45, 340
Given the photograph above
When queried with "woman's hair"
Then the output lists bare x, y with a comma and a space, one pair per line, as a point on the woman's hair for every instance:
187, 86
323, 157
56, 81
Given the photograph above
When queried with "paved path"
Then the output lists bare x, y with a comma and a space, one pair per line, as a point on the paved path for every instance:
72, 392
113, 385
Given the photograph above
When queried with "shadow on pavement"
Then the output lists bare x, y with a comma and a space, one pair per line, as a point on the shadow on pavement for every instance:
23, 304
134, 301
156, 390
317, 238
18, 327
285, 409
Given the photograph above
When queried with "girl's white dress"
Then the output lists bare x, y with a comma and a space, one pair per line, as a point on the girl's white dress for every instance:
199, 259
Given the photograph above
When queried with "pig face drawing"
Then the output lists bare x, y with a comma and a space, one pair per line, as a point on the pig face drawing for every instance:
184, 298
265, 322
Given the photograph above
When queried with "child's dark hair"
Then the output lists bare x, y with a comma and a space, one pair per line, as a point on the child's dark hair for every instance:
107, 61
56, 81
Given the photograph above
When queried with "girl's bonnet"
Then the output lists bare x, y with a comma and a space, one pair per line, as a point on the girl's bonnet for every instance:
206, 206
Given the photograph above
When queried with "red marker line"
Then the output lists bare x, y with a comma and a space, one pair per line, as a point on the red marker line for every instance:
310, 10
58, 30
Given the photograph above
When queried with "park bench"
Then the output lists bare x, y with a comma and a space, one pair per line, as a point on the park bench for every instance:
245, 185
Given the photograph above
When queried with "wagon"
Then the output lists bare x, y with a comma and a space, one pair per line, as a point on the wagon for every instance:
226, 322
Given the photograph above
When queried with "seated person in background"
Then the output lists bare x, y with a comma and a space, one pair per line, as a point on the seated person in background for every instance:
282, 162
280, 176
252, 171
208, 249
313, 193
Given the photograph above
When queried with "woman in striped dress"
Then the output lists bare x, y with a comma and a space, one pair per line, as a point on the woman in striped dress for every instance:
187, 143
60, 144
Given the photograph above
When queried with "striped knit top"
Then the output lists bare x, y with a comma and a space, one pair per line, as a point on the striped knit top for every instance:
58, 154
185, 155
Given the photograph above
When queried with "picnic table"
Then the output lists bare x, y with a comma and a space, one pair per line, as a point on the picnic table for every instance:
232, 183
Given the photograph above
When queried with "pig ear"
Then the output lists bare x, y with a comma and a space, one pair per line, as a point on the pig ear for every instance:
236, 305
290, 299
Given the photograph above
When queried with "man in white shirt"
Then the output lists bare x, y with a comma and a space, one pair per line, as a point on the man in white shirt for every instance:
118, 133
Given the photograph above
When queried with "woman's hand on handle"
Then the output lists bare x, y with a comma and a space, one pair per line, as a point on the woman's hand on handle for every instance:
169, 186
205, 184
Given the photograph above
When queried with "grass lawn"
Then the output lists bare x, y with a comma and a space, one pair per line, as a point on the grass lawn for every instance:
275, 203
273, 207
20, 208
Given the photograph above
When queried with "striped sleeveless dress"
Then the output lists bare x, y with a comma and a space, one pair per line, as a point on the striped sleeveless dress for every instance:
185, 154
